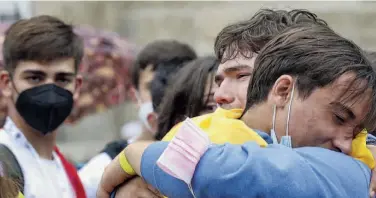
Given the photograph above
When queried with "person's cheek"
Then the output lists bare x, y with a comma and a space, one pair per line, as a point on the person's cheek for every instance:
242, 94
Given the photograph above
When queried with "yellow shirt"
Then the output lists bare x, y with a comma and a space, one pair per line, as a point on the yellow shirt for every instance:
20, 195
223, 126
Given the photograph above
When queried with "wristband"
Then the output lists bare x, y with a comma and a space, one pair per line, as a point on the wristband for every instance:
125, 164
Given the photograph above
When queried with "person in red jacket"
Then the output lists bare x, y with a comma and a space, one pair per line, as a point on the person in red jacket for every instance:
40, 84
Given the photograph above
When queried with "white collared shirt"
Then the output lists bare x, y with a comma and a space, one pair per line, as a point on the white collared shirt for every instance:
43, 178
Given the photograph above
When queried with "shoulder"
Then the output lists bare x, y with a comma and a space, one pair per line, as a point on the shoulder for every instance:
200, 121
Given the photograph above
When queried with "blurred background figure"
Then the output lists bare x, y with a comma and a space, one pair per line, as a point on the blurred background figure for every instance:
131, 131
152, 71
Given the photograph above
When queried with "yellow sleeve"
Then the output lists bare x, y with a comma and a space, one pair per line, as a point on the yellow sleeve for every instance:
222, 126
360, 151
124, 162
20, 195
201, 121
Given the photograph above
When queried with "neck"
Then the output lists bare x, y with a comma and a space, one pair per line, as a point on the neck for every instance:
146, 135
43, 144
258, 118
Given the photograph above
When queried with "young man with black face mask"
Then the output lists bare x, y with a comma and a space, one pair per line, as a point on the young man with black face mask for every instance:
40, 84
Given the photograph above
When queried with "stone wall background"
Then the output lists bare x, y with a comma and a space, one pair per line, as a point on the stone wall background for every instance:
196, 23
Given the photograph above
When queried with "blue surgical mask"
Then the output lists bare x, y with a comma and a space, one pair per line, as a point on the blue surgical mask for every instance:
286, 139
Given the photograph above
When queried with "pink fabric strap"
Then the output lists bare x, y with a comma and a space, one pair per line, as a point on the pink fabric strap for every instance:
183, 153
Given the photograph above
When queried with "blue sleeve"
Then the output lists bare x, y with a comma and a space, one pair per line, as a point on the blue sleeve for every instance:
250, 171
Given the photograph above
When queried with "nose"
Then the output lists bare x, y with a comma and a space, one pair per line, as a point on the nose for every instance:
344, 145
223, 95
49, 81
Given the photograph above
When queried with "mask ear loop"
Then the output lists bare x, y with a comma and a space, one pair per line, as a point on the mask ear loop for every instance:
14, 85
273, 134
289, 109
12, 82
274, 115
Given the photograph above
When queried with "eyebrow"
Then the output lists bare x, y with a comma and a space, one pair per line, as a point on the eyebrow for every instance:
35, 72
230, 69
66, 74
344, 108
41, 73
236, 68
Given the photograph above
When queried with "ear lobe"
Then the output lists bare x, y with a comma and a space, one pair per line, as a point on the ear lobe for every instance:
153, 121
5, 84
282, 89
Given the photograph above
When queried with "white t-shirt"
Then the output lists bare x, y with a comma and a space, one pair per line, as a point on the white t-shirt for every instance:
42, 178
91, 173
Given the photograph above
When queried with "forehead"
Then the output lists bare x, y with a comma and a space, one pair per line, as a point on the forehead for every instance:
344, 91
238, 63
58, 66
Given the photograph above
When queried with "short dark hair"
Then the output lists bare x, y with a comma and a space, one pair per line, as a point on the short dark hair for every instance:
371, 55
316, 56
43, 39
249, 36
162, 77
161, 52
186, 93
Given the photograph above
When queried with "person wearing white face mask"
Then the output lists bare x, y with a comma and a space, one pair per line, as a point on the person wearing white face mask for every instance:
154, 65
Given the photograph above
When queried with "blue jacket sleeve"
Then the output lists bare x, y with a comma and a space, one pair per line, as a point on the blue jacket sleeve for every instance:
248, 171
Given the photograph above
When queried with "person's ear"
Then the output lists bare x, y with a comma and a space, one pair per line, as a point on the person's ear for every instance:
281, 90
5, 83
77, 88
153, 122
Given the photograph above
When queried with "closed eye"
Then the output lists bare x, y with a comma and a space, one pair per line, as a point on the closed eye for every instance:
240, 76
218, 80
339, 120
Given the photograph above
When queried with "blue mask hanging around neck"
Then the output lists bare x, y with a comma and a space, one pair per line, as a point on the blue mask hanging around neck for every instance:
286, 139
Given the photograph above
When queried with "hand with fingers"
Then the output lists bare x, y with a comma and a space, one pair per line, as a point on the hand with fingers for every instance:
137, 188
